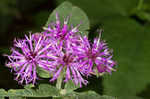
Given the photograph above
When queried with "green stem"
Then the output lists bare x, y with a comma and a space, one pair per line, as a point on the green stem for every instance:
59, 81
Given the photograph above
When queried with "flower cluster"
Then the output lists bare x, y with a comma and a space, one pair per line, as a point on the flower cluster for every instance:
61, 51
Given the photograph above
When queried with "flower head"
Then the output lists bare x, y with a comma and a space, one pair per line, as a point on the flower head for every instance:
65, 62
26, 55
94, 57
62, 52
63, 33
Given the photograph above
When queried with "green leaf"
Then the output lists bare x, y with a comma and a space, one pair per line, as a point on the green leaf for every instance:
3, 93
91, 95
43, 73
131, 50
1, 97
29, 86
77, 16
44, 90
85, 95
98, 9
14, 97
70, 86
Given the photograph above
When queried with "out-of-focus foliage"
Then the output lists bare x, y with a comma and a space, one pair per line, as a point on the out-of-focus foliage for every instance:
126, 29
7, 10
142, 10
8, 7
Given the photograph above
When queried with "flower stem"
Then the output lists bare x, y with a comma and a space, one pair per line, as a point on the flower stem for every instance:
59, 82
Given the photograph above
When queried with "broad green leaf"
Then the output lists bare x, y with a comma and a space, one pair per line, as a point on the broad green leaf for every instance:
92, 95
48, 90
85, 95
98, 9
44, 90
29, 86
14, 97
131, 50
70, 86
1, 97
43, 73
76, 14
40, 98
3, 93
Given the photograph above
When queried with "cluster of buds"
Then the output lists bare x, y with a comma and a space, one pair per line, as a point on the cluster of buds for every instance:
60, 50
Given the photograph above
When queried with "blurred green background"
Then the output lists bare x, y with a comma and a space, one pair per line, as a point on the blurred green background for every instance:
126, 25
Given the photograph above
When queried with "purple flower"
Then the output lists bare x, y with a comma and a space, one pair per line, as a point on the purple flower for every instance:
65, 62
63, 33
93, 58
62, 52
26, 55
